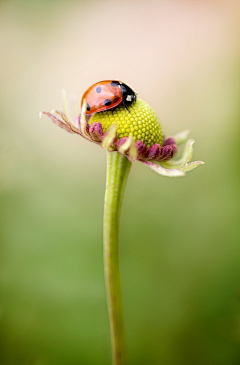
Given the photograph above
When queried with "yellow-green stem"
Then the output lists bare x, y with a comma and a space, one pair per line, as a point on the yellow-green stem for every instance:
118, 167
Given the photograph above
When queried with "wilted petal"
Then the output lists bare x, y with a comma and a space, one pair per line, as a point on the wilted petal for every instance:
58, 122
132, 151
129, 145
186, 157
181, 137
121, 142
96, 131
190, 166
189, 150
167, 153
109, 137
64, 117
153, 152
174, 147
170, 141
160, 170
141, 150
123, 148
77, 122
83, 122
78, 118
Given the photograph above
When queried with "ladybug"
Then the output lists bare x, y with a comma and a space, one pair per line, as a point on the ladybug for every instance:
105, 95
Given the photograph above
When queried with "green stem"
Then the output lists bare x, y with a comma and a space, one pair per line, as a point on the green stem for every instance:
118, 167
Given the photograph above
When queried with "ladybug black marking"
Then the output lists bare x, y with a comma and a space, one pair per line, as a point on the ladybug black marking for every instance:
98, 89
115, 83
107, 102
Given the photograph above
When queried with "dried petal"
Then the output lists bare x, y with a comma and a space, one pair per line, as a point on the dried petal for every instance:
109, 137
132, 151
170, 141
190, 166
153, 152
174, 147
64, 117
121, 142
58, 122
167, 153
77, 122
83, 122
141, 150
160, 170
186, 157
181, 137
129, 146
96, 132
78, 118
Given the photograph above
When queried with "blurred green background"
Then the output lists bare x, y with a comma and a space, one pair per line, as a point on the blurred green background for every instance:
179, 237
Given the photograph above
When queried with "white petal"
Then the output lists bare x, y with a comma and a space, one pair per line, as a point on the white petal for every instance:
83, 121
164, 172
109, 138
190, 166
130, 145
186, 157
181, 137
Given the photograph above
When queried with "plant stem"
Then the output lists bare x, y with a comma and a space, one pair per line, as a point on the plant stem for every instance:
118, 167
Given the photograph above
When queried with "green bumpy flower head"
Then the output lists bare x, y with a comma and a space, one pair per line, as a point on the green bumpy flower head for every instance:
142, 122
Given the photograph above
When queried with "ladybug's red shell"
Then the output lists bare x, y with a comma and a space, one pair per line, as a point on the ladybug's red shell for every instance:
102, 96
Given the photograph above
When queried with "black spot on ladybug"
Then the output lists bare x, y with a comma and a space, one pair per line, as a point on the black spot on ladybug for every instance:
88, 107
98, 89
115, 83
107, 102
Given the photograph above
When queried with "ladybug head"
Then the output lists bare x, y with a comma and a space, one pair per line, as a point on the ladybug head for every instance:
128, 95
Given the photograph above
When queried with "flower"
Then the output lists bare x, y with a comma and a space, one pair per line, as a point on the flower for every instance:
137, 135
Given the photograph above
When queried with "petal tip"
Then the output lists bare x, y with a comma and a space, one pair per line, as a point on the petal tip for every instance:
190, 166
84, 106
181, 137
162, 171
109, 137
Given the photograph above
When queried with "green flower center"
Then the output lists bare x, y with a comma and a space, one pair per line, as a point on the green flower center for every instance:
142, 122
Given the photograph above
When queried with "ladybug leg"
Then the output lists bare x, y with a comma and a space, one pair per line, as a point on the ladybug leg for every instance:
113, 109
127, 108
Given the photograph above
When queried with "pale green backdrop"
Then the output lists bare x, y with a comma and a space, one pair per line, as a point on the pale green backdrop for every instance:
179, 239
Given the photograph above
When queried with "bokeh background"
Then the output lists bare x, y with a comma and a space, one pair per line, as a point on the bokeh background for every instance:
179, 239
